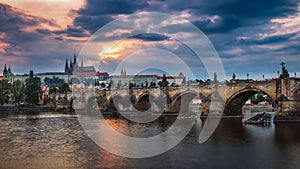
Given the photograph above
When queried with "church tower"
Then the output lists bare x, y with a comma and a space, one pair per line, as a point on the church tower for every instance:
123, 72
9, 70
66, 67
75, 61
71, 66
5, 73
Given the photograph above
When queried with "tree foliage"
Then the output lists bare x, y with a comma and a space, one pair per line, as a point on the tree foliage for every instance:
33, 90
18, 90
54, 82
4, 91
64, 88
259, 97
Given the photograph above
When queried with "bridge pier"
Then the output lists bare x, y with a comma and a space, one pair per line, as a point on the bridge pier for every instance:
287, 107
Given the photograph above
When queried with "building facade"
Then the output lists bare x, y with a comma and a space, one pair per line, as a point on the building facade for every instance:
7, 74
124, 81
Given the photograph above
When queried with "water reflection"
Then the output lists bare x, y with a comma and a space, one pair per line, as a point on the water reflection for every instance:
58, 141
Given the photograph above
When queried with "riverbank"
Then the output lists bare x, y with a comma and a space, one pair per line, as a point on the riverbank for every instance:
32, 109
257, 108
286, 119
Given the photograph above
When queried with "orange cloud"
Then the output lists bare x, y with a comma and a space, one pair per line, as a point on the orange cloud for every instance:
122, 49
55, 10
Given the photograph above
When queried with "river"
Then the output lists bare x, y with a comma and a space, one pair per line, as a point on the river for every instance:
53, 140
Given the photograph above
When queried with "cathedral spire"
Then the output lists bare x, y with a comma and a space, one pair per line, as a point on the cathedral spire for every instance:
66, 66
123, 72
75, 62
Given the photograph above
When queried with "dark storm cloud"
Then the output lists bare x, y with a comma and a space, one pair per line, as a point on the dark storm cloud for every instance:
150, 37
267, 40
92, 23
231, 14
11, 19
234, 13
72, 31
98, 13
14, 23
96, 7
44, 31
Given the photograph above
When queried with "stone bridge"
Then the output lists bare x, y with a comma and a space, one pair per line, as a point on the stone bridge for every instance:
284, 92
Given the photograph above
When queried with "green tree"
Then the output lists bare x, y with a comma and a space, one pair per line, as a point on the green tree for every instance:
18, 90
102, 84
4, 91
199, 81
64, 88
255, 99
33, 90
54, 82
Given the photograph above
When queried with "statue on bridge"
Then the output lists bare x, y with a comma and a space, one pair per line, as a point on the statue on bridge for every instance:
215, 77
233, 80
284, 72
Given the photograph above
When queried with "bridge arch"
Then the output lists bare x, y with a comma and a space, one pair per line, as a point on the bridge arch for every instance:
92, 103
182, 100
157, 101
111, 102
143, 102
236, 101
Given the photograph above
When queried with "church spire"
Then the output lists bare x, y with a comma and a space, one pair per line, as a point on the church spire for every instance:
71, 64
9, 70
123, 72
75, 62
5, 71
66, 66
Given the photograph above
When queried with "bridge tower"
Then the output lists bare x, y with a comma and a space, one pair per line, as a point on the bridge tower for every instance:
287, 104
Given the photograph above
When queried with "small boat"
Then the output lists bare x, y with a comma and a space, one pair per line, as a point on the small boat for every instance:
260, 119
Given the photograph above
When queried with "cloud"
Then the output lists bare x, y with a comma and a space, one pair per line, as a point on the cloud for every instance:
117, 32
150, 37
247, 35
72, 31
20, 28
92, 23
28, 42
97, 13
96, 7
234, 13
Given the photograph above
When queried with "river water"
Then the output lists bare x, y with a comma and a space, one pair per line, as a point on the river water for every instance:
50, 140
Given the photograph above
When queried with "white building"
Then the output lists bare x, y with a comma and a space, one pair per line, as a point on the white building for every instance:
125, 80
176, 80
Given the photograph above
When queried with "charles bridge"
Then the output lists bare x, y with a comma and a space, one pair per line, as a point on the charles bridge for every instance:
284, 93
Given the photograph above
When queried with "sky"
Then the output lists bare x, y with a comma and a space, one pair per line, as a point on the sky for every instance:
249, 36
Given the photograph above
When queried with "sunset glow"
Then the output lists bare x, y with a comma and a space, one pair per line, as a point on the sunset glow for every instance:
56, 29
